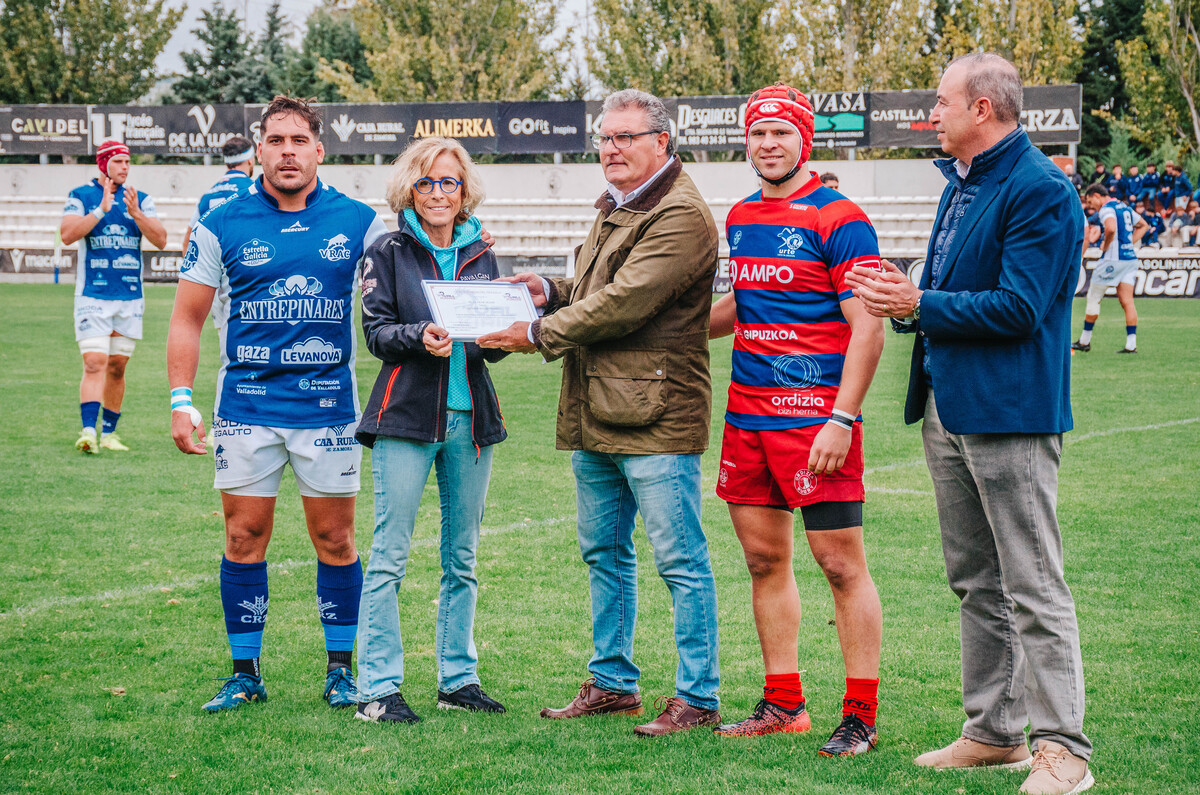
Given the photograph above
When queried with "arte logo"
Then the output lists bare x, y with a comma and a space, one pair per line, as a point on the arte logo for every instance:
335, 249
257, 608
256, 252
313, 350
804, 482
791, 242
796, 371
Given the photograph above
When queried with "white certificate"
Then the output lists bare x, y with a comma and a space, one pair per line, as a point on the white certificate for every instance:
471, 309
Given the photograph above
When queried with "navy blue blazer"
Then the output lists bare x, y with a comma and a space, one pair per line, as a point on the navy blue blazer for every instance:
998, 326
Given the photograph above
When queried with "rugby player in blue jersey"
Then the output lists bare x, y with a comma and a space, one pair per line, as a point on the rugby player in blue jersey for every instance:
286, 252
1118, 264
108, 218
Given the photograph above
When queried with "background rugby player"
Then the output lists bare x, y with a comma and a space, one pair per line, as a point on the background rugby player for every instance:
804, 354
1118, 264
108, 218
287, 253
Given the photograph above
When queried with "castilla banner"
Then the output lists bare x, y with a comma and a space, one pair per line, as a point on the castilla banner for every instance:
901, 118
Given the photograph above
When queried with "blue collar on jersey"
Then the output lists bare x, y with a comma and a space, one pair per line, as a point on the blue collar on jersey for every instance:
312, 196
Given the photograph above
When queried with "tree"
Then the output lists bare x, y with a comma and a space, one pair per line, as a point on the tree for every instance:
1108, 24
213, 70
81, 51
1041, 37
687, 47
268, 67
853, 45
332, 45
454, 50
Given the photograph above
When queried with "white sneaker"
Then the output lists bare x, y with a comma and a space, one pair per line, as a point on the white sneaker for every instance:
87, 442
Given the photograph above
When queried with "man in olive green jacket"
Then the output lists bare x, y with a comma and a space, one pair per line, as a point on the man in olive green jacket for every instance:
632, 330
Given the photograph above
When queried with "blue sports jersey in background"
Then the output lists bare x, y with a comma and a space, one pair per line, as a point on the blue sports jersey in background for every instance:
288, 343
110, 256
1122, 247
233, 183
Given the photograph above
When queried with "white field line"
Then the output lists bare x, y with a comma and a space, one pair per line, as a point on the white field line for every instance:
1071, 439
121, 594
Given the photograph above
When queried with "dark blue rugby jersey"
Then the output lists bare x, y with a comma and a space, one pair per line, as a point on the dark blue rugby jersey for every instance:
288, 343
110, 256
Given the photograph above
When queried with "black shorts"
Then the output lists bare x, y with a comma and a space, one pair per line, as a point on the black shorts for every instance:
831, 515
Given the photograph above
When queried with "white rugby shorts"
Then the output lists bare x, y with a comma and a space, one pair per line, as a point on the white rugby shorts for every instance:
1115, 271
249, 459
100, 317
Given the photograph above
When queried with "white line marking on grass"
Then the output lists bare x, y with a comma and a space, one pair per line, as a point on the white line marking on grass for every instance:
874, 490
1133, 429
897, 465
121, 594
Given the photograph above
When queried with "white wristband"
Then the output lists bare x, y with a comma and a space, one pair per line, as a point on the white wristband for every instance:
844, 415
98, 213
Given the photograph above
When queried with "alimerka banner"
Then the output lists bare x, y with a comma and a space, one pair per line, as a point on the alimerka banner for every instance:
843, 119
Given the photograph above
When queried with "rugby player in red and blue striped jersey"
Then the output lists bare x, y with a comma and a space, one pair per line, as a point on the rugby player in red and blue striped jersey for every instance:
804, 353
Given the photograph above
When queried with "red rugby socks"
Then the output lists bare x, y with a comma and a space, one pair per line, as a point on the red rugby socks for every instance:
784, 690
862, 699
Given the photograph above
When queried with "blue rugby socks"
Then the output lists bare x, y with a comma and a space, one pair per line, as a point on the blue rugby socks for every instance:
110, 420
339, 589
1086, 337
89, 412
1130, 338
244, 598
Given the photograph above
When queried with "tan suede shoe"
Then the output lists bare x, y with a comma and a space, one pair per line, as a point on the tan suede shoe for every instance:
1057, 771
969, 753
593, 700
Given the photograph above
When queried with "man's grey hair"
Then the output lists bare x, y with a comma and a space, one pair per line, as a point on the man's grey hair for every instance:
652, 106
993, 76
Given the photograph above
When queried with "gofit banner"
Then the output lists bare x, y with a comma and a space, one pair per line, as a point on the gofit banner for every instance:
541, 127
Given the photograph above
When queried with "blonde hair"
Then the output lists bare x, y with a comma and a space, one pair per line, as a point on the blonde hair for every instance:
414, 163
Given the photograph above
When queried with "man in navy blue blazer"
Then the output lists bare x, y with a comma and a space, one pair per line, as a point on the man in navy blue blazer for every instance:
991, 378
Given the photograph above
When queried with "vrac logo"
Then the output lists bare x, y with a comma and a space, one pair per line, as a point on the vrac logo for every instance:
335, 250
792, 241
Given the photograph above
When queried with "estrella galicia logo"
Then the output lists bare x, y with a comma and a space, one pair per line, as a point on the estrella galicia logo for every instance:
791, 242
335, 249
256, 252
796, 371
257, 610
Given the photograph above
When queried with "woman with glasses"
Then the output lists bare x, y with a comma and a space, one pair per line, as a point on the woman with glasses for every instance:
433, 405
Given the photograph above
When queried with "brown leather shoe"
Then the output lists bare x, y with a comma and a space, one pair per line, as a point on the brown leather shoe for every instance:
593, 700
676, 717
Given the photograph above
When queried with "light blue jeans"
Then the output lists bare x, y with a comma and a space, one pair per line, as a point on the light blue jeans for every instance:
611, 489
400, 468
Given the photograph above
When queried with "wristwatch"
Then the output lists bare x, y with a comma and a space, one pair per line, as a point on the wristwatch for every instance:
917, 309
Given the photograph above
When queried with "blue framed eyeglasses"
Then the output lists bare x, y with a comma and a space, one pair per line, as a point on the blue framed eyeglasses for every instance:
447, 184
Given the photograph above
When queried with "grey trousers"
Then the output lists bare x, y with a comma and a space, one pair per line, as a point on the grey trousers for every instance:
996, 499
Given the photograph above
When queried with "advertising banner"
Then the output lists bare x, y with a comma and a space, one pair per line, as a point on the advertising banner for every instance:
167, 129
38, 261
841, 119
541, 127
472, 124
364, 129
43, 129
710, 123
901, 118
1169, 277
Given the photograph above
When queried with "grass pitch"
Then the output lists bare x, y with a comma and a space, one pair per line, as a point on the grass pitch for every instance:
111, 626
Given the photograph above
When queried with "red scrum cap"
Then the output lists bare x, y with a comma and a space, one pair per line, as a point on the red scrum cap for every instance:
107, 151
782, 103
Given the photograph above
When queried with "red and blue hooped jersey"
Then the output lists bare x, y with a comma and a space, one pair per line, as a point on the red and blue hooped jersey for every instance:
787, 262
